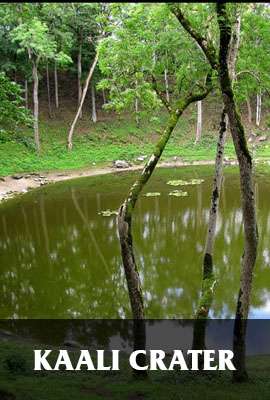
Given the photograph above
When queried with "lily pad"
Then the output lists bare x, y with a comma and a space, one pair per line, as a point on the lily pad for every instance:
152, 194
108, 213
178, 193
196, 181
180, 182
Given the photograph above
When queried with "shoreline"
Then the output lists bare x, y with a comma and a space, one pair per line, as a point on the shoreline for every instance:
11, 186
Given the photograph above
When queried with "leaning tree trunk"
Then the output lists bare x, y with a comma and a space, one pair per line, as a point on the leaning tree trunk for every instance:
93, 97
199, 122
126, 240
48, 90
35, 100
56, 85
247, 195
126, 210
90, 74
208, 281
79, 76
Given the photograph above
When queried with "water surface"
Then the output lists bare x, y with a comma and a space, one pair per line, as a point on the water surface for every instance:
60, 259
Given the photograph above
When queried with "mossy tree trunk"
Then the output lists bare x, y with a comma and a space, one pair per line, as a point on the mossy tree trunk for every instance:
126, 210
220, 64
208, 279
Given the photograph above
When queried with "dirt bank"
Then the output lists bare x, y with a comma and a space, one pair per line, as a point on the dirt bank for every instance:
10, 186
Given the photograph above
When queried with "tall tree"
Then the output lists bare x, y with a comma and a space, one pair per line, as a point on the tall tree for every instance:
81, 19
132, 72
96, 31
53, 15
33, 37
86, 85
199, 122
12, 112
208, 278
252, 77
220, 64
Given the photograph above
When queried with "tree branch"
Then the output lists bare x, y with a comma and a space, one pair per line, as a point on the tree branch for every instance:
160, 94
206, 46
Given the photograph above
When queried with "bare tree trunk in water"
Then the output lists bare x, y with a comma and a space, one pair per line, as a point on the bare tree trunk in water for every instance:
166, 85
90, 74
48, 90
246, 180
199, 122
26, 93
56, 85
247, 194
249, 110
79, 69
35, 100
258, 108
126, 210
208, 279
93, 97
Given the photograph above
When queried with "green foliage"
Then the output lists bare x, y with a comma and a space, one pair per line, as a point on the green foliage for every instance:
33, 37
145, 41
253, 61
12, 112
15, 364
120, 140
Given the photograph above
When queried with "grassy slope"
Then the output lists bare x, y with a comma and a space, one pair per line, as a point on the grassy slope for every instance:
104, 142
120, 385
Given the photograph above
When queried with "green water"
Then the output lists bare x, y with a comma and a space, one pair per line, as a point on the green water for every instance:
60, 259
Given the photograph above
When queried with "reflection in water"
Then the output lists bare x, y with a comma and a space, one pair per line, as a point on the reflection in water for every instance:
61, 259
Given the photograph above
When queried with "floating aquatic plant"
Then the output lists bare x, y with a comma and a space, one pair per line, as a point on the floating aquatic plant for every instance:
196, 181
152, 194
180, 182
108, 213
178, 193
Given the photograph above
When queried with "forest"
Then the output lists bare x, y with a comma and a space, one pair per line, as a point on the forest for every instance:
134, 173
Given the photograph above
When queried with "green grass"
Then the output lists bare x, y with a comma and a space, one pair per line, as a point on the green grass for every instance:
104, 142
97, 385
